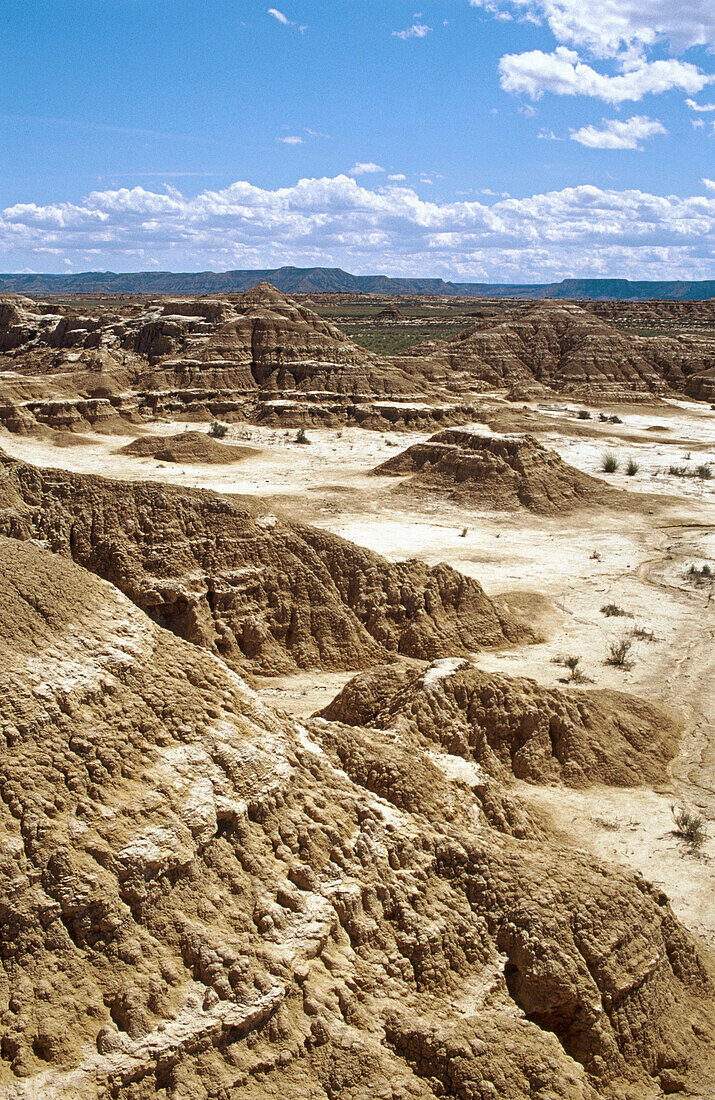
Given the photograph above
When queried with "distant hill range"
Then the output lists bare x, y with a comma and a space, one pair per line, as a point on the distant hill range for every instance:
332, 280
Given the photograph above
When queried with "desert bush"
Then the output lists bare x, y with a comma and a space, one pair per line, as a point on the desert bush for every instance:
584, 414
632, 467
704, 471
606, 419
680, 471
618, 652
301, 437
642, 633
595, 556
218, 430
609, 464
690, 827
700, 574
612, 611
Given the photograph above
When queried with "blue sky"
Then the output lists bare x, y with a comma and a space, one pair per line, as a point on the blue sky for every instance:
500, 140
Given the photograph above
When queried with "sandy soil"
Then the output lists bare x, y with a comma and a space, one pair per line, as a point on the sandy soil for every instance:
560, 571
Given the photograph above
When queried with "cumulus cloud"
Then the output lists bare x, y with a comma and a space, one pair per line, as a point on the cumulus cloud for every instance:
610, 26
710, 184
417, 30
397, 177
365, 168
619, 134
563, 73
700, 107
339, 222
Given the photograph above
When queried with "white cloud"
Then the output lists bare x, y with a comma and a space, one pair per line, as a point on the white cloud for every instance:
710, 184
417, 30
608, 27
365, 168
397, 177
291, 139
697, 124
279, 16
338, 222
619, 134
563, 73
701, 107
548, 135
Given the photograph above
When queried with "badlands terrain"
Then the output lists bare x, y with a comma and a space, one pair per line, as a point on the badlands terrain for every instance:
355, 652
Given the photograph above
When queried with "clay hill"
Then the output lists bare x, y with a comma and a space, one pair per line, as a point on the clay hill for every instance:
189, 447
263, 594
500, 471
513, 727
571, 350
203, 898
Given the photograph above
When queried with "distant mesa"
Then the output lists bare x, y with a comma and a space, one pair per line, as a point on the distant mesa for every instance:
326, 280
189, 447
500, 471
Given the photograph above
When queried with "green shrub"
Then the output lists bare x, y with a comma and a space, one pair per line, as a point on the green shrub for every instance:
301, 437
609, 464
632, 467
218, 430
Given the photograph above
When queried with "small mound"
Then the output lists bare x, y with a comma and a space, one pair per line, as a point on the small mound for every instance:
503, 471
187, 447
512, 726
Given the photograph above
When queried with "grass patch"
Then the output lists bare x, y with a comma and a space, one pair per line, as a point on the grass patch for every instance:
632, 468
609, 463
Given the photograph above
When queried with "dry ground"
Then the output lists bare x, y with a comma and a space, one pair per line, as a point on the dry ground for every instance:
558, 571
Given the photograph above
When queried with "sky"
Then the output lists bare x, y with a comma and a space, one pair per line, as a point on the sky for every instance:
485, 140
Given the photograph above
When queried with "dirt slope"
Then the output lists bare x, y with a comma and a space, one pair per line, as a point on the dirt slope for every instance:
198, 900
263, 594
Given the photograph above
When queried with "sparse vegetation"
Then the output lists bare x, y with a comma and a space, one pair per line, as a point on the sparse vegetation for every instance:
218, 430
576, 675
606, 419
700, 574
704, 471
690, 827
595, 556
301, 437
642, 634
609, 464
463, 533
584, 414
612, 611
618, 651
632, 468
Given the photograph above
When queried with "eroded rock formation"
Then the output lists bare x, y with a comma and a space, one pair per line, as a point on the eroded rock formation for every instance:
503, 471
263, 594
202, 898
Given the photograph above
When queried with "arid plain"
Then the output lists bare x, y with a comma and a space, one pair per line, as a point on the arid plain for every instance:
358, 656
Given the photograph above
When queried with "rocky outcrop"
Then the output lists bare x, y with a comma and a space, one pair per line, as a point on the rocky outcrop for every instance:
263, 594
514, 727
569, 349
500, 471
198, 898
189, 447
